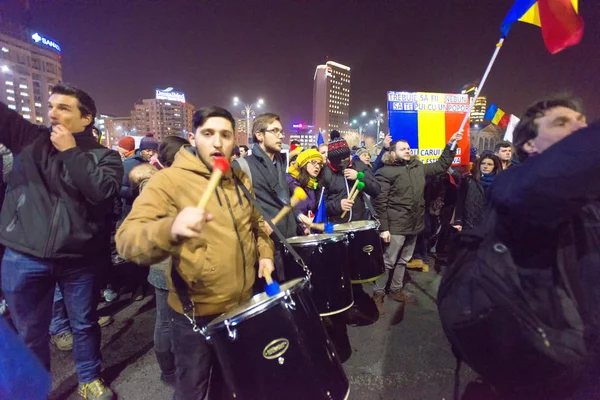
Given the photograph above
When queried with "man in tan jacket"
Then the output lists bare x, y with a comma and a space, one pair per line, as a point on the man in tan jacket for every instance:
214, 250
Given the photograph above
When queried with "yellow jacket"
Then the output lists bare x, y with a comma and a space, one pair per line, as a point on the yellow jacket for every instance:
218, 267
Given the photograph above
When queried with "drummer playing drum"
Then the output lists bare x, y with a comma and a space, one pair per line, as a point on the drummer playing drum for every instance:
214, 250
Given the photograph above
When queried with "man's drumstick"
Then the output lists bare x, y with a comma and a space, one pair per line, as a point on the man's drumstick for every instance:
220, 166
272, 287
298, 196
360, 177
359, 187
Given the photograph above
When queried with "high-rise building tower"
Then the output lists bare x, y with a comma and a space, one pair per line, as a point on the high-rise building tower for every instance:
167, 114
30, 65
331, 98
480, 104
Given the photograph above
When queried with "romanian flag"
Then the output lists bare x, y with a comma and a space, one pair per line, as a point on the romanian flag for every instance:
497, 116
561, 24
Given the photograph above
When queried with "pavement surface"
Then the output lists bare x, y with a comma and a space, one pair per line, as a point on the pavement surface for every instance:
404, 355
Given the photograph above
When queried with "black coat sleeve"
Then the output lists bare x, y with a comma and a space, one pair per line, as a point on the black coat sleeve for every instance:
550, 187
381, 202
15, 131
97, 181
459, 209
372, 187
442, 164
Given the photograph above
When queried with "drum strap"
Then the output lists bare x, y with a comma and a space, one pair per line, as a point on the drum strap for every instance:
282, 238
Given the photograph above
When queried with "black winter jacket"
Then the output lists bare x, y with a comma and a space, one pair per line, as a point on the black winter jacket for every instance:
470, 204
337, 189
58, 204
401, 204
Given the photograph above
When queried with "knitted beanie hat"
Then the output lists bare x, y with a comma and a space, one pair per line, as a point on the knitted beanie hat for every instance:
148, 142
338, 149
127, 143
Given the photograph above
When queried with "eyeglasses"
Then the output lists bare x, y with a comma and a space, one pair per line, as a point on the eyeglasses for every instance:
316, 163
275, 131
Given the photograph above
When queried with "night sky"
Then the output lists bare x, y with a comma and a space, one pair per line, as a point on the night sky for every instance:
120, 51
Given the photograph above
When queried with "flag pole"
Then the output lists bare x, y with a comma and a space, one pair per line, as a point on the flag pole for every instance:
479, 87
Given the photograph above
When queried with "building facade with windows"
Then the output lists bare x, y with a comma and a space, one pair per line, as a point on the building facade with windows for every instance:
162, 117
30, 65
331, 98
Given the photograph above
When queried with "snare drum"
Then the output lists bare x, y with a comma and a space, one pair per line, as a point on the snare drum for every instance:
326, 256
366, 254
276, 348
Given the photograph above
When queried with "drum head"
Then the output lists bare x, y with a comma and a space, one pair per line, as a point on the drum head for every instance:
356, 226
254, 306
313, 240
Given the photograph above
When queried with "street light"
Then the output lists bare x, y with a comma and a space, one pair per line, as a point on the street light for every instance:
364, 114
248, 111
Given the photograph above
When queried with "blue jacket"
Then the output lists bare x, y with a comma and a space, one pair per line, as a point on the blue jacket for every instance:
127, 193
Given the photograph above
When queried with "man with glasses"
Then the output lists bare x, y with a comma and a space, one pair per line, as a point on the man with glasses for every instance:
267, 167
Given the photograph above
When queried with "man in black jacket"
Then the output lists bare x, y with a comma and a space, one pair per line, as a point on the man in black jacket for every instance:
550, 204
55, 224
401, 208
267, 169
338, 179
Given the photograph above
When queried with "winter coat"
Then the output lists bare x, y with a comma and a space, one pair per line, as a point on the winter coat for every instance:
470, 204
401, 204
271, 188
217, 267
310, 204
57, 204
551, 203
337, 188
129, 193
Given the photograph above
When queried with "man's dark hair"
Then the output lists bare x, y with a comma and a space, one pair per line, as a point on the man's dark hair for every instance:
262, 122
295, 142
292, 159
236, 151
527, 129
243, 146
502, 144
395, 142
202, 115
476, 170
86, 104
169, 147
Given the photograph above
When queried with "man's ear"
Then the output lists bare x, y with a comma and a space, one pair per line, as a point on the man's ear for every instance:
191, 138
260, 137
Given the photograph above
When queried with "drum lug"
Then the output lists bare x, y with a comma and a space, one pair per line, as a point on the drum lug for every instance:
288, 301
351, 235
231, 332
320, 249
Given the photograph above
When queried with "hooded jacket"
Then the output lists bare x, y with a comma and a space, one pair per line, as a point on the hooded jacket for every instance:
217, 267
400, 205
57, 204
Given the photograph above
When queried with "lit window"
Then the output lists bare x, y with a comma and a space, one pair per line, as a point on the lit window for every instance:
26, 116
25, 109
9, 83
22, 86
39, 119
10, 98
12, 106
24, 94
38, 104
5, 50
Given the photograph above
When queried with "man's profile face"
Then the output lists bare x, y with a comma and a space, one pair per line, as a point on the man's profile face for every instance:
242, 152
556, 124
504, 153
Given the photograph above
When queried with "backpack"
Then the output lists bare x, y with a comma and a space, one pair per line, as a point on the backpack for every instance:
519, 328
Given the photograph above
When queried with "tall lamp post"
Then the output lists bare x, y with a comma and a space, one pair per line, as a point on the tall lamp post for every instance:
377, 119
248, 111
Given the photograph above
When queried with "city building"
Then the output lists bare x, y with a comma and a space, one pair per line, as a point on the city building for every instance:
115, 128
480, 104
30, 65
303, 133
166, 114
331, 97
241, 134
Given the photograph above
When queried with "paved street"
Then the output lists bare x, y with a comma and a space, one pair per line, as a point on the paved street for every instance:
402, 356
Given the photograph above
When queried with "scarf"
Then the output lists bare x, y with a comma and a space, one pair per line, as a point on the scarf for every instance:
487, 179
295, 173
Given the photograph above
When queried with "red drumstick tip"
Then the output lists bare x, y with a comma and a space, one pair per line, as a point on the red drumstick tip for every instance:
221, 164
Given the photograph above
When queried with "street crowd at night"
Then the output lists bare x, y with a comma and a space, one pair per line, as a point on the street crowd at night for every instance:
241, 259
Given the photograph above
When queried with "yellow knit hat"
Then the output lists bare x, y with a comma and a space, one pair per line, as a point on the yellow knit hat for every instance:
307, 156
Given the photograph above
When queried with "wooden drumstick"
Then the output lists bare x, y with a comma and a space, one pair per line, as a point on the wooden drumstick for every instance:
298, 196
360, 177
359, 188
220, 166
